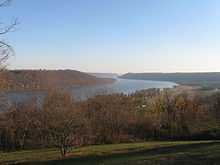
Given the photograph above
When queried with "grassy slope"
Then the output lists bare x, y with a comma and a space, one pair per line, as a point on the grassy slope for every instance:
197, 152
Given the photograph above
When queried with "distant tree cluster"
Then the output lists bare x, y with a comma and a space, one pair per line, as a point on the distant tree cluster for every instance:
147, 115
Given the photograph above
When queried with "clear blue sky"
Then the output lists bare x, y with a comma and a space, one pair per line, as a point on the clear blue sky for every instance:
116, 35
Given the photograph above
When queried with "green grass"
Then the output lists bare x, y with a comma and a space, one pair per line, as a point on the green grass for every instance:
158, 153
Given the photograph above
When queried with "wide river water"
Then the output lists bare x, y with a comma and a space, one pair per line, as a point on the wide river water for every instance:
124, 86
82, 93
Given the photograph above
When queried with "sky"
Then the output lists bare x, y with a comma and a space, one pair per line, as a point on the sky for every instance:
116, 36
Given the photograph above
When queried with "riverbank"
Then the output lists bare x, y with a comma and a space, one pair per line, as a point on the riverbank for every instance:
193, 90
206, 80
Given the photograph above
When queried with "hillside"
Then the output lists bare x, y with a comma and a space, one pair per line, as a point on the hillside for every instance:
46, 79
205, 80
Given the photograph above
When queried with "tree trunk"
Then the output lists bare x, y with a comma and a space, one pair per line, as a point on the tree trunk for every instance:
63, 151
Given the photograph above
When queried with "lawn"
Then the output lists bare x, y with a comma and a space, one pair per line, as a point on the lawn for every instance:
149, 153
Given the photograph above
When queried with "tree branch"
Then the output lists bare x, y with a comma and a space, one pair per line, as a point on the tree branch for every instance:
9, 28
4, 3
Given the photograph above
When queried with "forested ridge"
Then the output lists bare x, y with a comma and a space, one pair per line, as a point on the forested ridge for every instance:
46, 79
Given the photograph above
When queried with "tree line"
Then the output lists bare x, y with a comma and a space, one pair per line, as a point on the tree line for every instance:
147, 115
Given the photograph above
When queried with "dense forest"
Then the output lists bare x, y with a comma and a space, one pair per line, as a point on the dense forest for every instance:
146, 115
46, 79
205, 80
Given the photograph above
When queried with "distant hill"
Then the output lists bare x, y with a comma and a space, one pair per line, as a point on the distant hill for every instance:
105, 75
46, 79
205, 80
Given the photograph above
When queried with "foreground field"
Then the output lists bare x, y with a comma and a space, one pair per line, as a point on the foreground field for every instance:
164, 153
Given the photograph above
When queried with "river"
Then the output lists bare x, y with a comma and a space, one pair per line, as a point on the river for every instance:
124, 86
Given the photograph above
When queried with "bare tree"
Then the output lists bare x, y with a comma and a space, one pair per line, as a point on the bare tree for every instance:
6, 49
61, 120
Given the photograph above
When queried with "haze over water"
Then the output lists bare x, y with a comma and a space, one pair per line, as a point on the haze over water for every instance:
82, 93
